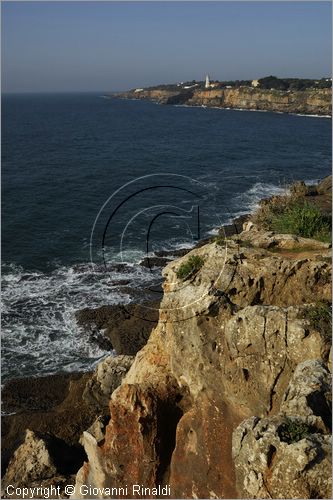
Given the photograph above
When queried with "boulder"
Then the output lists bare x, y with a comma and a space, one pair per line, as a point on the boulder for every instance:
325, 186
41, 461
309, 395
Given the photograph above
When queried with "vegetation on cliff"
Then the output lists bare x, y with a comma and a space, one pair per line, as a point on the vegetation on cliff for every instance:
187, 270
294, 214
267, 82
319, 316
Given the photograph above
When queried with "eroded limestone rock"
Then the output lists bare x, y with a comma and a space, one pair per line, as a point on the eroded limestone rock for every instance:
288, 456
107, 377
31, 462
263, 345
309, 395
271, 240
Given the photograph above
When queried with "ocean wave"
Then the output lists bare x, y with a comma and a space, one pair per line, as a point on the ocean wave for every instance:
251, 110
39, 331
311, 116
249, 200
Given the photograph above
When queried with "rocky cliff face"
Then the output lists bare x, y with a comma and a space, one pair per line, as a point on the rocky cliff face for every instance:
307, 101
231, 394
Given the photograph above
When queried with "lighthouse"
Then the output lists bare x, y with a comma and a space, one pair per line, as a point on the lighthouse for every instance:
207, 83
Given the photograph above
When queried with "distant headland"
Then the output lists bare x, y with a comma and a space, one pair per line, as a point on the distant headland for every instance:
288, 95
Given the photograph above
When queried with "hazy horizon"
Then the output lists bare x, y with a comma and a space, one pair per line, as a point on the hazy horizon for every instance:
66, 47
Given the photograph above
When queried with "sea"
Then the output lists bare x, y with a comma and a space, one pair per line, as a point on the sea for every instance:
91, 185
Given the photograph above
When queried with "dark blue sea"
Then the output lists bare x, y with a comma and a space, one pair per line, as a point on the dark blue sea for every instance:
91, 185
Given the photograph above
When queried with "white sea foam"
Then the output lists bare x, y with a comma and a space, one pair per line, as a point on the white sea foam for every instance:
252, 110
39, 330
213, 232
311, 116
249, 201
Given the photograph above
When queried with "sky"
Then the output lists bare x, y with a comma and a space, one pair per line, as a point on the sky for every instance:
110, 46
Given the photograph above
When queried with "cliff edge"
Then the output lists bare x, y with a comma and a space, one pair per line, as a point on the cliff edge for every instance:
231, 394
310, 101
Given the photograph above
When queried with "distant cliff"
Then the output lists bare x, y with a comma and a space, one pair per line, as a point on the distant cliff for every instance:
311, 101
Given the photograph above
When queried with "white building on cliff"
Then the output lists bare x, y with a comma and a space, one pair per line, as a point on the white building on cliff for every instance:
209, 84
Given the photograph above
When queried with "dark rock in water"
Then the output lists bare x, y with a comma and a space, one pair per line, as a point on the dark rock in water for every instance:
126, 327
36, 393
173, 253
151, 262
101, 340
237, 225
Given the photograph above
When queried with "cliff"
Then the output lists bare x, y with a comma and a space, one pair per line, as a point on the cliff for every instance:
316, 102
203, 406
231, 395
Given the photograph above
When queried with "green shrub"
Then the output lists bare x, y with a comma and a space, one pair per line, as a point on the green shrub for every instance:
320, 318
193, 264
292, 431
292, 213
302, 219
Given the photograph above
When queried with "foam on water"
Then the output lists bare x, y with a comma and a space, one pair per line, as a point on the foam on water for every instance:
311, 116
39, 330
250, 199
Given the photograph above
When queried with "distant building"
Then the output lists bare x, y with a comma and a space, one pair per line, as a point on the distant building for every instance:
138, 90
209, 84
255, 83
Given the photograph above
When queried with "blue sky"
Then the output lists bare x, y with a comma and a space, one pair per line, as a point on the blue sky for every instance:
87, 46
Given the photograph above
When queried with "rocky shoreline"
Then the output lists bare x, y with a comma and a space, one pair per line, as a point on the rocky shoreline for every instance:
308, 102
221, 393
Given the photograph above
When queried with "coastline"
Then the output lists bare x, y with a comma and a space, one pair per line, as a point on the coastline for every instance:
237, 109
78, 400
306, 102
